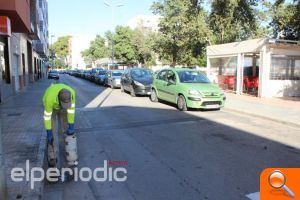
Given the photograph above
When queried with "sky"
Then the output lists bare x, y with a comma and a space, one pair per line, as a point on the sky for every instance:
90, 17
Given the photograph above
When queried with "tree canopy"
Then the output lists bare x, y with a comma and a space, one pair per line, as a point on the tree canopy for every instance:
60, 51
96, 50
285, 19
186, 27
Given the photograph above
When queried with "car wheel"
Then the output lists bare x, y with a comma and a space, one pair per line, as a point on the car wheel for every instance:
122, 88
153, 96
181, 103
132, 93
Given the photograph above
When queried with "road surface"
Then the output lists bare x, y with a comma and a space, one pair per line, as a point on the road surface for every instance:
215, 155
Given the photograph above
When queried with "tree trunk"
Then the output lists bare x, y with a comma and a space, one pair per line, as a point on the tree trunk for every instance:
174, 56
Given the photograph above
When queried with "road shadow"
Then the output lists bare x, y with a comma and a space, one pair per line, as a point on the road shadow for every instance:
177, 155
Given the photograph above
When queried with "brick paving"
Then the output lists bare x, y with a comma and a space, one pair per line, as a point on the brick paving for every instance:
22, 133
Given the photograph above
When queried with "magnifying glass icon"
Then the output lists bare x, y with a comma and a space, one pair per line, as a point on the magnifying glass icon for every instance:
277, 180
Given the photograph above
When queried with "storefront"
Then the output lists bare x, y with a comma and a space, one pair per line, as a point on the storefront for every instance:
259, 67
5, 73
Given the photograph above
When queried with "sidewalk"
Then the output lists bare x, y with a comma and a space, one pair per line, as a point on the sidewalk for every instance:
275, 109
24, 137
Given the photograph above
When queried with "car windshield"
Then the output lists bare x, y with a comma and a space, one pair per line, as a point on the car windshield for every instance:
192, 77
53, 72
102, 72
141, 73
117, 73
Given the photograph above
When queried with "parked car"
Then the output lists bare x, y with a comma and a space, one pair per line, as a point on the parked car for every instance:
87, 74
100, 76
113, 78
137, 81
187, 88
94, 73
82, 73
53, 74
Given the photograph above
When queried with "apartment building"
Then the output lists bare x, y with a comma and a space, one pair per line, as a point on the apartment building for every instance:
148, 22
23, 44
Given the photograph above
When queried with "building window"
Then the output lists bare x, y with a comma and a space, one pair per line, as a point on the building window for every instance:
285, 68
297, 69
41, 3
224, 66
41, 26
223, 71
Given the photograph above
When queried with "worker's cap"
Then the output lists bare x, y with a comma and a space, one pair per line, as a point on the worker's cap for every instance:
64, 97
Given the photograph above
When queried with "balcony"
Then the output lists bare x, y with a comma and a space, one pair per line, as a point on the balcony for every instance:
34, 33
19, 13
34, 16
41, 48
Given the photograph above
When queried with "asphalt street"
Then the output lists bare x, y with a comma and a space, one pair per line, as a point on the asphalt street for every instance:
169, 154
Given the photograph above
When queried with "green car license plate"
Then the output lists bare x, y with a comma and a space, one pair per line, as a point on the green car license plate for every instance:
213, 106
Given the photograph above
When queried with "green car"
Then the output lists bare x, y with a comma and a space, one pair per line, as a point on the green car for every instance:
187, 88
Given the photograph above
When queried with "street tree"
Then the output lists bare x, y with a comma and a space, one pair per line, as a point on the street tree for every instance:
285, 19
88, 56
124, 50
61, 49
143, 42
171, 42
183, 31
96, 50
233, 20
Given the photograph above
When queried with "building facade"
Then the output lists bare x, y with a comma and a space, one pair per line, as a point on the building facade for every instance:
23, 44
261, 67
148, 22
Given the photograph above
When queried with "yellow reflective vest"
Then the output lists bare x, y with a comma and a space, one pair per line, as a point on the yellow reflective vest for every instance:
51, 102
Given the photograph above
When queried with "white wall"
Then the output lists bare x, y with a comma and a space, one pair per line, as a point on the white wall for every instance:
147, 21
79, 44
284, 88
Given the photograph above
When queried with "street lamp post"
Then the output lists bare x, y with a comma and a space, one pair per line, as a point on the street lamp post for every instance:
113, 7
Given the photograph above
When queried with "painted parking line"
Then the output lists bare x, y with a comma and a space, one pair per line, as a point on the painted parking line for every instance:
253, 196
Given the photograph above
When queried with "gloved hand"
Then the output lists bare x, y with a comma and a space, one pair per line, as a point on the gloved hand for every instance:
71, 130
50, 136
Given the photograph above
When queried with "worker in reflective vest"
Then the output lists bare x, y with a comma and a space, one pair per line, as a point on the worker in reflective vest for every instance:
58, 97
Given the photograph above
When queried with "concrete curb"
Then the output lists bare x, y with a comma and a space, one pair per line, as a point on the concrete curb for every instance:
261, 116
41, 155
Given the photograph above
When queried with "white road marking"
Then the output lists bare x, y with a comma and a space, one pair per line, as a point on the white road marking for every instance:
253, 196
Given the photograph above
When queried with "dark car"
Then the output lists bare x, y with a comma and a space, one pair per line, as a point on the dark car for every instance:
87, 74
137, 81
53, 74
94, 73
100, 76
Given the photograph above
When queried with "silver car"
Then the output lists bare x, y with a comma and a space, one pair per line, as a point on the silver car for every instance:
113, 78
